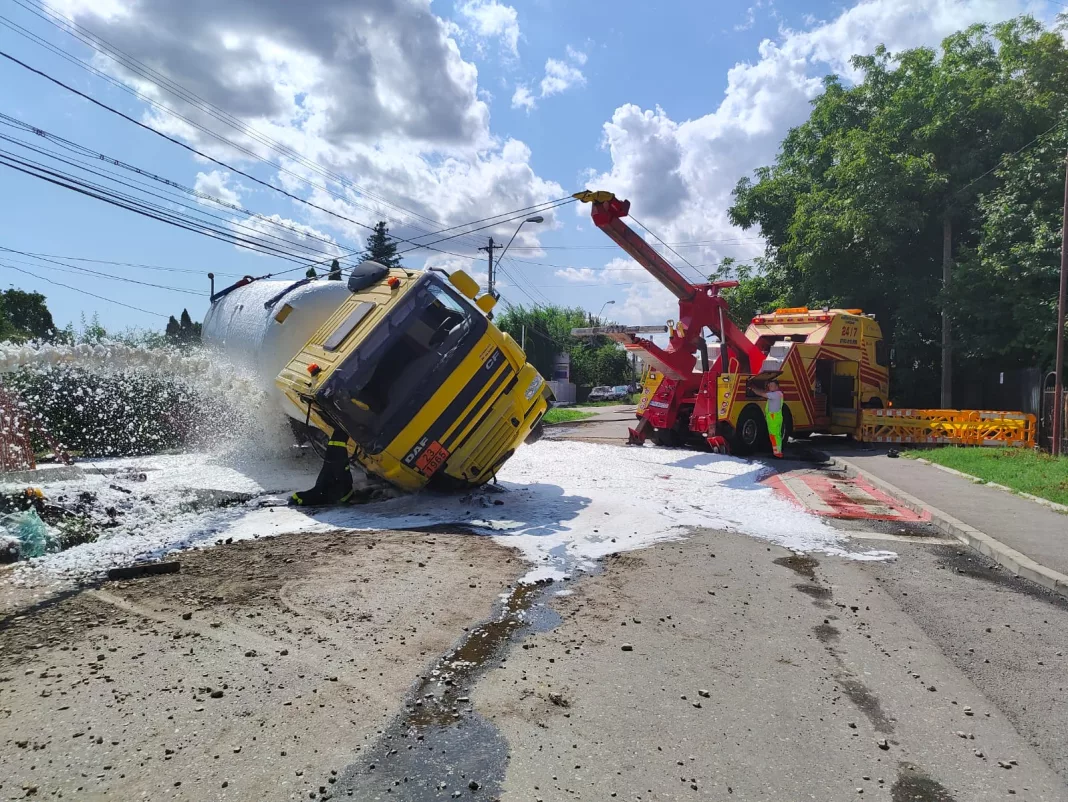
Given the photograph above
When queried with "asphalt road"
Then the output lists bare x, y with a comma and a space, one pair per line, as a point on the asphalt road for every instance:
409, 666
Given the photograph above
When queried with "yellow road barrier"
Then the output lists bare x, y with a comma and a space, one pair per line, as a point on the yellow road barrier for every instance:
950, 426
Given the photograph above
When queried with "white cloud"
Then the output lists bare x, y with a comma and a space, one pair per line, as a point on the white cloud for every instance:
490, 19
217, 184
559, 77
580, 275
750, 20
376, 92
576, 56
317, 245
679, 175
523, 99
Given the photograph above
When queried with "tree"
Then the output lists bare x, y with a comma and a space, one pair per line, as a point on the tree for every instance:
335, 271
25, 316
381, 247
862, 196
183, 331
594, 361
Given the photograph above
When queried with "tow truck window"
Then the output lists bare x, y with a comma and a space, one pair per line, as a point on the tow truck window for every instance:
880, 353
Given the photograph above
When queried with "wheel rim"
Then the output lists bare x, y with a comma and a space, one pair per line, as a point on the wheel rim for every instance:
749, 431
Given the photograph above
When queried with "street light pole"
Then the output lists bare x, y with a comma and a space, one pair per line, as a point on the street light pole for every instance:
606, 303
489, 249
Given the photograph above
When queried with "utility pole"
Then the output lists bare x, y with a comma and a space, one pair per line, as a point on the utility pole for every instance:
523, 344
947, 333
1062, 303
489, 250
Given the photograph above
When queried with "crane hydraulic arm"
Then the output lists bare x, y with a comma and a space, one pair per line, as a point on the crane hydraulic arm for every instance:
700, 305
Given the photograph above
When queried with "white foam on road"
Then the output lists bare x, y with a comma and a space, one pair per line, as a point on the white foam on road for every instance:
563, 505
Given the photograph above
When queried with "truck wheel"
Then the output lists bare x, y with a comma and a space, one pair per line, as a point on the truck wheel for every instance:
752, 432
665, 437
312, 435
787, 425
536, 433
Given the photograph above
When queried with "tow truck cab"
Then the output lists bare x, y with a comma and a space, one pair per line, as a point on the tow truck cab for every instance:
830, 364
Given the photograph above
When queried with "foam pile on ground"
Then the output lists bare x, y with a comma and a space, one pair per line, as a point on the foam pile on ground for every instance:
563, 505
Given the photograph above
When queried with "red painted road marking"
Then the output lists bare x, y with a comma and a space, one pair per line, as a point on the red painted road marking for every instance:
839, 497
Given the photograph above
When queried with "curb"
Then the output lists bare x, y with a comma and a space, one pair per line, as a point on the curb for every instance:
1019, 564
1045, 502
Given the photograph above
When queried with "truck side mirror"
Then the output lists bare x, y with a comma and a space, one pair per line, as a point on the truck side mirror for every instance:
465, 284
486, 303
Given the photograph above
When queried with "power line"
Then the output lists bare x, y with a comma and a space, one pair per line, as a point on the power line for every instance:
231, 168
693, 244
65, 268
143, 208
101, 157
137, 186
124, 59
683, 258
83, 292
123, 264
100, 45
1005, 158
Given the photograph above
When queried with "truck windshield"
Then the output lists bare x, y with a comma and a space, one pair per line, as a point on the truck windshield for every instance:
401, 363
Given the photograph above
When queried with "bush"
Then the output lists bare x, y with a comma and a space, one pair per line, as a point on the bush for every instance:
96, 415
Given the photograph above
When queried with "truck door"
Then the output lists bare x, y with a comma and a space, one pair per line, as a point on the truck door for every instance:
845, 398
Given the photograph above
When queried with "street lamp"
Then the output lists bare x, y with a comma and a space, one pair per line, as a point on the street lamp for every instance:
535, 219
606, 303
489, 249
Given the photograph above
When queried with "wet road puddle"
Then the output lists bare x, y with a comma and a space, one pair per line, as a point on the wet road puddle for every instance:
913, 785
439, 747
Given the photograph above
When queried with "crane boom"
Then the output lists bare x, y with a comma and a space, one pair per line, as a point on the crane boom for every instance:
607, 211
700, 305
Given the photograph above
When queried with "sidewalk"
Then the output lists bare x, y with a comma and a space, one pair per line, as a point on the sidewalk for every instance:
1025, 526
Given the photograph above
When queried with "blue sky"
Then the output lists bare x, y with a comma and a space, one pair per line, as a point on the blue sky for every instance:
454, 110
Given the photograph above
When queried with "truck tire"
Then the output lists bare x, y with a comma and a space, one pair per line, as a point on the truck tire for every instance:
665, 437
752, 432
315, 438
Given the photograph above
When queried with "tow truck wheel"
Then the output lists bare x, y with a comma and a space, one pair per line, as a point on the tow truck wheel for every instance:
752, 432
665, 437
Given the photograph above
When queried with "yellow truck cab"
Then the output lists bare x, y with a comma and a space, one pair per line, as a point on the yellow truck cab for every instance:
424, 384
830, 365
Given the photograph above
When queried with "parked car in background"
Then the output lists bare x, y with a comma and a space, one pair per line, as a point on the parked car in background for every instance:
606, 393
603, 393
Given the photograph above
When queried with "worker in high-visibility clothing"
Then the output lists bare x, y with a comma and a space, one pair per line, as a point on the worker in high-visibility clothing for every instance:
334, 484
773, 414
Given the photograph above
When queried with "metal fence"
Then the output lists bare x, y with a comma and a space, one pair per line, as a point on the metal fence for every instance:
1045, 427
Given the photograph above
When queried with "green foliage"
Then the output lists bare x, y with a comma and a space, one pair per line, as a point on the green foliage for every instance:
381, 247
1023, 470
182, 332
113, 415
593, 361
565, 415
335, 270
25, 316
856, 204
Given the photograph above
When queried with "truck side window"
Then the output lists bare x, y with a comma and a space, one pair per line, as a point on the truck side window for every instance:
881, 353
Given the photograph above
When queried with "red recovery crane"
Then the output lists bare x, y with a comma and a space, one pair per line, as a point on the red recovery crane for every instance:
685, 402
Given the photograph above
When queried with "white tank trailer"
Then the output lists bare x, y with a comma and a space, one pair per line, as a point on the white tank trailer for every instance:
243, 327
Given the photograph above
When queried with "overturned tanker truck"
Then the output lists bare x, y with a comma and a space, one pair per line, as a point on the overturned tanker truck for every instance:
400, 371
